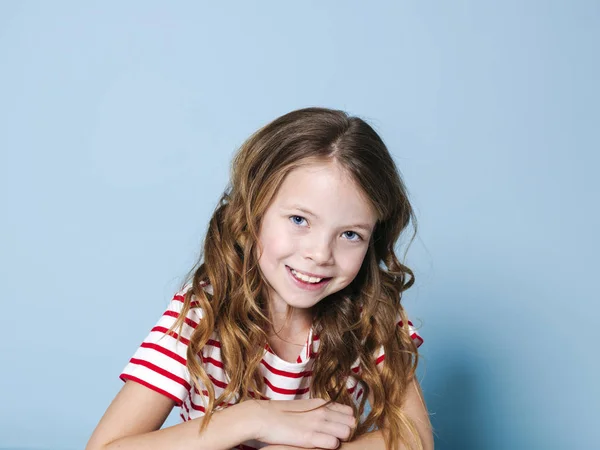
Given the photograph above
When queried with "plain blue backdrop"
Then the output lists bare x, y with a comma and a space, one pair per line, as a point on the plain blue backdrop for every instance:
117, 124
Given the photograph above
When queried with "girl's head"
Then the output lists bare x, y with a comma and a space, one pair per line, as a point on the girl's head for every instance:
310, 220
317, 191
314, 235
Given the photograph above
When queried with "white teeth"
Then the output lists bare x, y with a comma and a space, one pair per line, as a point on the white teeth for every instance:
305, 278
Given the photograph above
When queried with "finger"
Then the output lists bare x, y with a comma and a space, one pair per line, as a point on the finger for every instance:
341, 408
324, 440
339, 417
339, 430
344, 419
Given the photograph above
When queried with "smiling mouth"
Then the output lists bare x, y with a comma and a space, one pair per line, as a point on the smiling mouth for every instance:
307, 278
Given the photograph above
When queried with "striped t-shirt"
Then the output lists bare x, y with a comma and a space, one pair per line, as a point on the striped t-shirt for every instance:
160, 364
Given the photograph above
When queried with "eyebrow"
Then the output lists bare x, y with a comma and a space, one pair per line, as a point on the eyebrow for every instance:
362, 226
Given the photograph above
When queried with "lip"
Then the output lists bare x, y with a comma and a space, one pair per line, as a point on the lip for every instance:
307, 286
314, 275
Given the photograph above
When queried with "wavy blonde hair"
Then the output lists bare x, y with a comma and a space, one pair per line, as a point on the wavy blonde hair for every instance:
238, 310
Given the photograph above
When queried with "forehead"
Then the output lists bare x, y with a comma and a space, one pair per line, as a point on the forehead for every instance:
328, 191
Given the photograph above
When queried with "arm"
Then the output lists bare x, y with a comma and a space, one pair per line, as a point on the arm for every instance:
414, 406
134, 418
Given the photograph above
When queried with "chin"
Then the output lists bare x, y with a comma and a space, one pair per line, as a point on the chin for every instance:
301, 304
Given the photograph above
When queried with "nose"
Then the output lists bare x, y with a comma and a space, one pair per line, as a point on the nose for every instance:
319, 250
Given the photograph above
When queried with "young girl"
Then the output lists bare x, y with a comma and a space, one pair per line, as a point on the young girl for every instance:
293, 319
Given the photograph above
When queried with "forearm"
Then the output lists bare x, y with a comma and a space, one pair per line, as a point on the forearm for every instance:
368, 441
375, 441
371, 441
227, 428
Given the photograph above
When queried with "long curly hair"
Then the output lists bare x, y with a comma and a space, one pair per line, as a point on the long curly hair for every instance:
352, 323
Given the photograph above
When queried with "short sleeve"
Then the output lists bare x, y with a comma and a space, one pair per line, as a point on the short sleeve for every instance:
412, 331
160, 361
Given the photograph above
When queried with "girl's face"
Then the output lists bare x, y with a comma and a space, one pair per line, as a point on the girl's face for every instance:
314, 235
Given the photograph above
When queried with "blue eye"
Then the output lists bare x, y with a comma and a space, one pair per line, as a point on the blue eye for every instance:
352, 236
297, 220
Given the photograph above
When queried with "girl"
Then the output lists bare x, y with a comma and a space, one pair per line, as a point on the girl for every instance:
293, 319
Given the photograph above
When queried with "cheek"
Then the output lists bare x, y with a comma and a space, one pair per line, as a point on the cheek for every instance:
351, 262
275, 243
278, 247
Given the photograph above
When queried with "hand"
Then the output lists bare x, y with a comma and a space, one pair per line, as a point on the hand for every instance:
290, 423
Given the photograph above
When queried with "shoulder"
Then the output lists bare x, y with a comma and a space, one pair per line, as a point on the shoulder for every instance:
411, 330
180, 296
405, 326
402, 326
160, 363
175, 309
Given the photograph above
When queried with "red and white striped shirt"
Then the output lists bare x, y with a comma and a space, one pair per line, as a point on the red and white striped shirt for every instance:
160, 364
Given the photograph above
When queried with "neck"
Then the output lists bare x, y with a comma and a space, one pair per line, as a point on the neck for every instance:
288, 325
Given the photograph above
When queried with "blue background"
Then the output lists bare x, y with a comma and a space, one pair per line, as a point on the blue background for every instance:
117, 124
